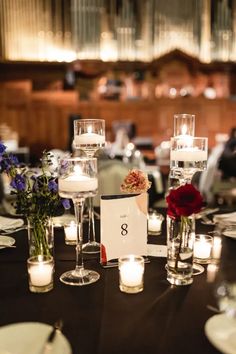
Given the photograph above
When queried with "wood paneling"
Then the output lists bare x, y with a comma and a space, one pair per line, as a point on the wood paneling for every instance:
41, 118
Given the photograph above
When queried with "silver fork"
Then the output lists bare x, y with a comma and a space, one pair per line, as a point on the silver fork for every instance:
47, 346
11, 231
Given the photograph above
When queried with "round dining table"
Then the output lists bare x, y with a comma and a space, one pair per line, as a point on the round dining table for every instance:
99, 318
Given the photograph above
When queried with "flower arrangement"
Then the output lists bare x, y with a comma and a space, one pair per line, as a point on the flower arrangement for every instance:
182, 203
36, 193
135, 182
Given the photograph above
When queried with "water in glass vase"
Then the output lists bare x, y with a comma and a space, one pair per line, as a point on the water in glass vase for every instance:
180, 241
179, 265
186, 169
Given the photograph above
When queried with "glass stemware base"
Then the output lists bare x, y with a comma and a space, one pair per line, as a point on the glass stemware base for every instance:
91, 247
79, 277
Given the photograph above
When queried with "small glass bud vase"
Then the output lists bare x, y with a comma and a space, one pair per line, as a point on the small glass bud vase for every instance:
180, 243
40, 236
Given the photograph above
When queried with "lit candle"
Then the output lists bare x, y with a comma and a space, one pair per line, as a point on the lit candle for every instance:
212, 270
154, 223
203, 247
77, 183
131, 273
188, 154
70, 232
217, 246
41, 274
89, 138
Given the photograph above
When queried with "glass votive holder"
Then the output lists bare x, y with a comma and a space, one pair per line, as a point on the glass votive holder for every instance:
154, 223
202, 248
131, 272
70, 230
184, 124
216, 248
40, 273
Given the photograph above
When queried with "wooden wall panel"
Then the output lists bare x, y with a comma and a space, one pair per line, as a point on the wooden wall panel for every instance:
42, 119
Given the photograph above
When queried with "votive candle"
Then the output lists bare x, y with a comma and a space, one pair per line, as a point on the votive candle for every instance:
131, 270
70, 233
202, 248
40, 271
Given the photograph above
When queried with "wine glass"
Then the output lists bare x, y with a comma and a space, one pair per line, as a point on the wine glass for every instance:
78, 181
89, 136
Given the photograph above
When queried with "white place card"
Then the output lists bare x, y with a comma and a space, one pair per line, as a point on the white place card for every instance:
123, 225
157, 250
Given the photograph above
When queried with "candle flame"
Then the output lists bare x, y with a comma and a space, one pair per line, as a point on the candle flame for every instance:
89, 129
184, 129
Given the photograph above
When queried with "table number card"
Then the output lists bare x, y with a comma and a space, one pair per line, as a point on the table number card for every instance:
123, 225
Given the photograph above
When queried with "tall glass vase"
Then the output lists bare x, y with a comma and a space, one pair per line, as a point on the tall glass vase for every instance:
180, 242
40, 236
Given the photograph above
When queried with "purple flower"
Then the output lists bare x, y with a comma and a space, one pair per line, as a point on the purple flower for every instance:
52, 186
13, 160
2, 148
66, 203
18, 183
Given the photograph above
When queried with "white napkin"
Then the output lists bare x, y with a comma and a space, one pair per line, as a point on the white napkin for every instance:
8, 223
227, 217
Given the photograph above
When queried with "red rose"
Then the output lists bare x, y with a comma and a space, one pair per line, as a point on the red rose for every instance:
184, 201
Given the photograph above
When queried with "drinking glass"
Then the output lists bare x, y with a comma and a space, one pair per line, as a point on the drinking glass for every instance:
187, 156
89, 136
78, 181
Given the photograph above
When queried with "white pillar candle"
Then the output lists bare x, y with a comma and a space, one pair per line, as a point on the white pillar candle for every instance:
41, 274
89, 138
217, 246
77, 183
131, 273
202, 248
188, 154
154, 223
70, 231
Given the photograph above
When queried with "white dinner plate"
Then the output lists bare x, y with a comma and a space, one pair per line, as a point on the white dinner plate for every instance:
221, 332
6, 241
29, 338
230, 233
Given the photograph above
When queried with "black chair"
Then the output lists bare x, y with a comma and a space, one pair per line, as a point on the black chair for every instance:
128, 126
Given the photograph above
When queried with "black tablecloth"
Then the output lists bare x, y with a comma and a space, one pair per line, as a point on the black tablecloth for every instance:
99, 318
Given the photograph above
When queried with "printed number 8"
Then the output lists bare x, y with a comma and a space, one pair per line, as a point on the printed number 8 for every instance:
124, 229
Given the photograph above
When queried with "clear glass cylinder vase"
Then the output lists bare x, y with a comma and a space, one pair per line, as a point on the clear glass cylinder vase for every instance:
180, 243
40, 236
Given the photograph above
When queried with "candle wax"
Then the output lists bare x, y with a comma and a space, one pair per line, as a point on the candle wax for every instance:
89, 138
188, 154
77, 183
202, 249
131, 274
71, 231
154, 224
41, 274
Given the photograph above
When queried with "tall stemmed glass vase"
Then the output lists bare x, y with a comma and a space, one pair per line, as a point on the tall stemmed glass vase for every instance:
187, 156
78, 181
89, 136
